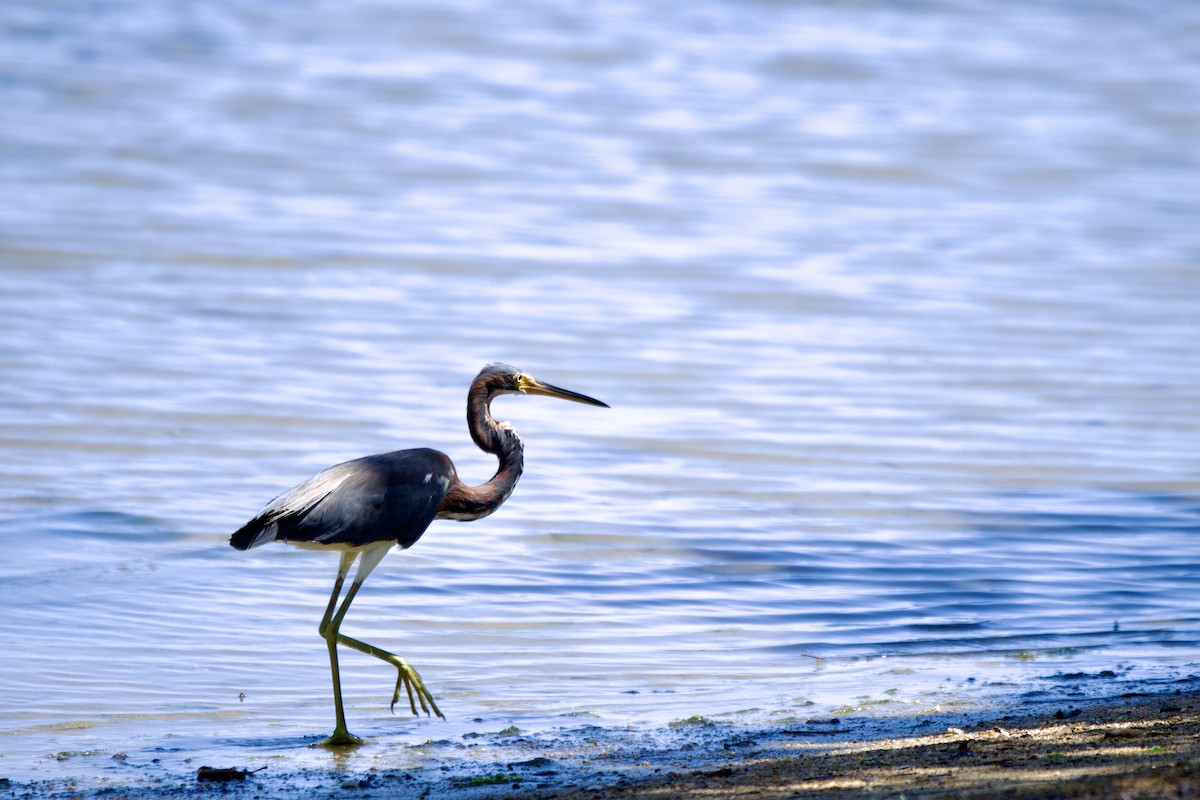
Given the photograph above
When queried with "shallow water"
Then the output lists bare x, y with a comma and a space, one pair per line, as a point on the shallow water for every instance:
897, 313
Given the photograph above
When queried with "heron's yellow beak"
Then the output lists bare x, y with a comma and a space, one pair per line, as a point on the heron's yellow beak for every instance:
528, 385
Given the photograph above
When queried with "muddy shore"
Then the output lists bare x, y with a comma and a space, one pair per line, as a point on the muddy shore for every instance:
1145, 745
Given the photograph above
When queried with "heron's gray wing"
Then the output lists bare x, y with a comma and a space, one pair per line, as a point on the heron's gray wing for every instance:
393, 496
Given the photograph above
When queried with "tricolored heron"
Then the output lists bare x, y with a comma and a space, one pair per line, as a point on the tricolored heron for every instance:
362, 508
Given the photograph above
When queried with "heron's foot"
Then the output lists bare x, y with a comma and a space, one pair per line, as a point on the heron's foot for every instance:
408, 677
414, 686
342, 738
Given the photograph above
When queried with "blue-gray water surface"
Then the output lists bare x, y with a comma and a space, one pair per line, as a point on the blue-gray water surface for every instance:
896, 305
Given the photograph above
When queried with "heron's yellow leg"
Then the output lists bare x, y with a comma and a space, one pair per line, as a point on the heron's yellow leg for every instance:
341, 736
408, 677
343, 570
330, 628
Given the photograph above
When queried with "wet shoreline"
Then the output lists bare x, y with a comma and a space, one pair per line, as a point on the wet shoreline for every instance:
1128, 745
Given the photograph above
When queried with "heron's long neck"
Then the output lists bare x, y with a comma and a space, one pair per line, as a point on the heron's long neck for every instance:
501, 440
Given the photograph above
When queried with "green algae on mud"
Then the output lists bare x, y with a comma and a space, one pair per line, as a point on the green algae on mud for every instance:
490, 780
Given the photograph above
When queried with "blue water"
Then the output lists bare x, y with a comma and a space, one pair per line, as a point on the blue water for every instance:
897, 310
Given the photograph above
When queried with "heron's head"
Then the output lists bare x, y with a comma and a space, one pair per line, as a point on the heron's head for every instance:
503, 379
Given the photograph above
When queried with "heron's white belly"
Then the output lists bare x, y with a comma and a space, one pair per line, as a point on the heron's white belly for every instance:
341, 548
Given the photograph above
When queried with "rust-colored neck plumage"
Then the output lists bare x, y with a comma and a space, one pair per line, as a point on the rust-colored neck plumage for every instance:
501, 440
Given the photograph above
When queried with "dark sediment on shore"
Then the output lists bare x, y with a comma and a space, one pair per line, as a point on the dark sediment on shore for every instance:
1140, 747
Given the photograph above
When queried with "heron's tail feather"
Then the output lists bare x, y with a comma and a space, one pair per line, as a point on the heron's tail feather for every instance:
259, 530
282, 517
